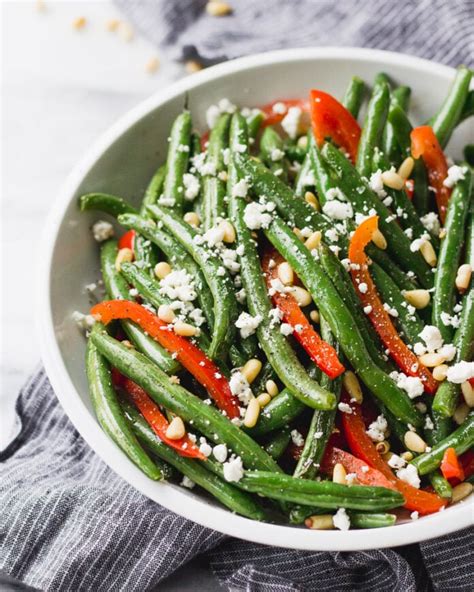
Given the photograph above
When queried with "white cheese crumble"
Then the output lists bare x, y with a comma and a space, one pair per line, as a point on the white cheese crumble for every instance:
377, 429
247, 324
376, 184
338, 210
186, 482
291, 123
412, 385
409, 474
460, 372
240, 387
191, 186
83, 321
276, 154
431, 222
205, 448
432, 338
286, 329
335, 193
416, 244
178, 285
345, 408
341, 520
102, 231
297, 438
455, 174
256, 216
414, 515
233, 469
396, 462
213, 112
279, 108
363, 288
452, 320
220, 453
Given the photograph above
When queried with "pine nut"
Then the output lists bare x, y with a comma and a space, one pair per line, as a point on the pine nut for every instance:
431, 360
123, 256
251, 369
184, 329
442, 233
440, 372
407, 456
321, 522
192, 66
460, 414
393, 180
162, 269
229, 231
112, 25
417, 298
166, 313
379, 240
428, 253
463, 277
461, 491
263, 399
272, 388
217, 8
302, 142
285, 274
297, 231
252, 413
175, 379
312, 200
339, 474
314, 316
302, 296
352, 385
414, 442
192, 218
313, 241
127, 343
383, 447
152, 65
468, 393
406, 167
176, 429
79, 23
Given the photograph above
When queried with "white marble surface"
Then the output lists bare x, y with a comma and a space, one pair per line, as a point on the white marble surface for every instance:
61, 89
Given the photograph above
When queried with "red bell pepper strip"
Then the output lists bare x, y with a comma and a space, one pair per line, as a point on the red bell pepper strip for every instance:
424, 143
378, 316
467, 462
127, 240
158, 422
450, 465
188, 354
331, 119
363, 448
273, 117
323, 354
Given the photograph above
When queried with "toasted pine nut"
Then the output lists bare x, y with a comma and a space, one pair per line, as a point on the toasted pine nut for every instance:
440, 372
302, 296
217, 8
152, 65
286, 274
192, 66
406, 167
352, 385
442, 233
414, 442
263, 399
185, 329
407, 456
431, 360
379, 240
162, 269
123, 256
229, 231
192, 218
312, 200
468, 393
393, 180
79, 23
272, 388
176, 429
461, 413
174, 379
314, 316
321, 522
127, 343
302, 142
252, 413
166, 313
297, 231
463, 277
251, 369
461, 491
428, 253
313, 241
417, 298
112, 25
383, 447
339, 474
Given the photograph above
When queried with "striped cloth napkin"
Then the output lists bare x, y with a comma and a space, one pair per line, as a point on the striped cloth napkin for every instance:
67, 522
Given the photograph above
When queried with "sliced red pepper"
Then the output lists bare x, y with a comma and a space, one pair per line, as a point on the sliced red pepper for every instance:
363, 448
424, 143
450, 465
273, 117
467, 462
331, 119
127, 240
378, 316
188, 354
158, 422
323, 354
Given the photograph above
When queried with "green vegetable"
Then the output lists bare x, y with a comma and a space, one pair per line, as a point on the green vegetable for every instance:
110, 204
354, 95
441, 485
277, 445
401, 97
177, 161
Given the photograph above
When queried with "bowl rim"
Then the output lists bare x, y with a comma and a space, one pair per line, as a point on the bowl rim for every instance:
174, 498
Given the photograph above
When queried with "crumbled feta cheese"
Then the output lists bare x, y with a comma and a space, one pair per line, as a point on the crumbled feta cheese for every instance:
450, 320
412, 385
448, 351
196, 315
367, 309
241, 296
364, 469
431, 222
279, 108
418, 242
429, 425
247, 324
363, 288
220, 453
168, 202
409, 474
455, 174
396, 462
240, 387
178, 285
341, 520
297, 438
233, 469
102, 231
208, 169
318, 435
186, 482
377, 429
460, 372
376, 184
338, 210
432, 338
286, 329
205, 448
256, 216
276, 154
351, 478
331, 234
335, 193
191, 185
83, 321
291, 123
414, 515
213, 112
345, 408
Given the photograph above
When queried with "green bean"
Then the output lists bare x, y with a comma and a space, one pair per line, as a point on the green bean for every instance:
195, 144
324, 494
361, 520
281, 410
442, 427
450, 255
214, 189
397, 427
469, 154
401, 97
277, 349
236, 500
110, 204
109, 413
461, 440
294, 152
148, 288
354, 96
225, 303
117, 288
178, 400
372, 129
449, 114
332, 307
321, 171
363, 200
272, 149
254, 121
441, 485
304, 179
322, 422
277, 445
468, 108
153, 190
177, 161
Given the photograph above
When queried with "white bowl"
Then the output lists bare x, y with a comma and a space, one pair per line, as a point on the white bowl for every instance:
121, 162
